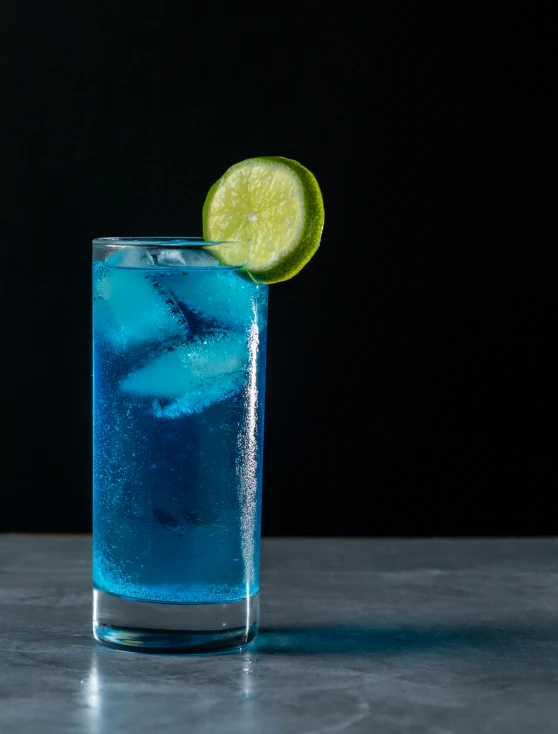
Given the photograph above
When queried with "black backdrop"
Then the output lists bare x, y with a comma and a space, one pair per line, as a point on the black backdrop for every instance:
409, 378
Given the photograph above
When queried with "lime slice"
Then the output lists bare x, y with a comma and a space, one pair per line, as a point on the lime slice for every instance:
273, 208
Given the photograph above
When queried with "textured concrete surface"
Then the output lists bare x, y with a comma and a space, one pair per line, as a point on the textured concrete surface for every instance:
358, 636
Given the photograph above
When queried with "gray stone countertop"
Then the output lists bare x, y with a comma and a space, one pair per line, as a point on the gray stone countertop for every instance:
357, 637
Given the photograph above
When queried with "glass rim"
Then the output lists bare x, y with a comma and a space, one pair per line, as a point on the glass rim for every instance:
163, 242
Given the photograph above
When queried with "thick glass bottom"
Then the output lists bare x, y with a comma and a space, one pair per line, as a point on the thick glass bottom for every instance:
174, 628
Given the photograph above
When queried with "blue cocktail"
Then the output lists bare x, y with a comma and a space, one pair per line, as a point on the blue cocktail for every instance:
179, 372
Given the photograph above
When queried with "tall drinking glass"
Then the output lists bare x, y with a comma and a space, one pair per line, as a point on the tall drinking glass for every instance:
179, 345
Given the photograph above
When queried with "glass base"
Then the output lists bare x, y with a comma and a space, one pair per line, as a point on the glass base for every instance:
174, 628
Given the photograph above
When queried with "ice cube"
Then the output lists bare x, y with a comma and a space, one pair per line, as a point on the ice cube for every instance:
185, 258
193, 376
199, 258
170, 258
211, 391
131, 307
131, 257
224, 296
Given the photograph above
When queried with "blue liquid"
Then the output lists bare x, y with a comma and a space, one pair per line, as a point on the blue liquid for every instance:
179, 370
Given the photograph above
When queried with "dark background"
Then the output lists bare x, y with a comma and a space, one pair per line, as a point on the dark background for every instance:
409, 377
